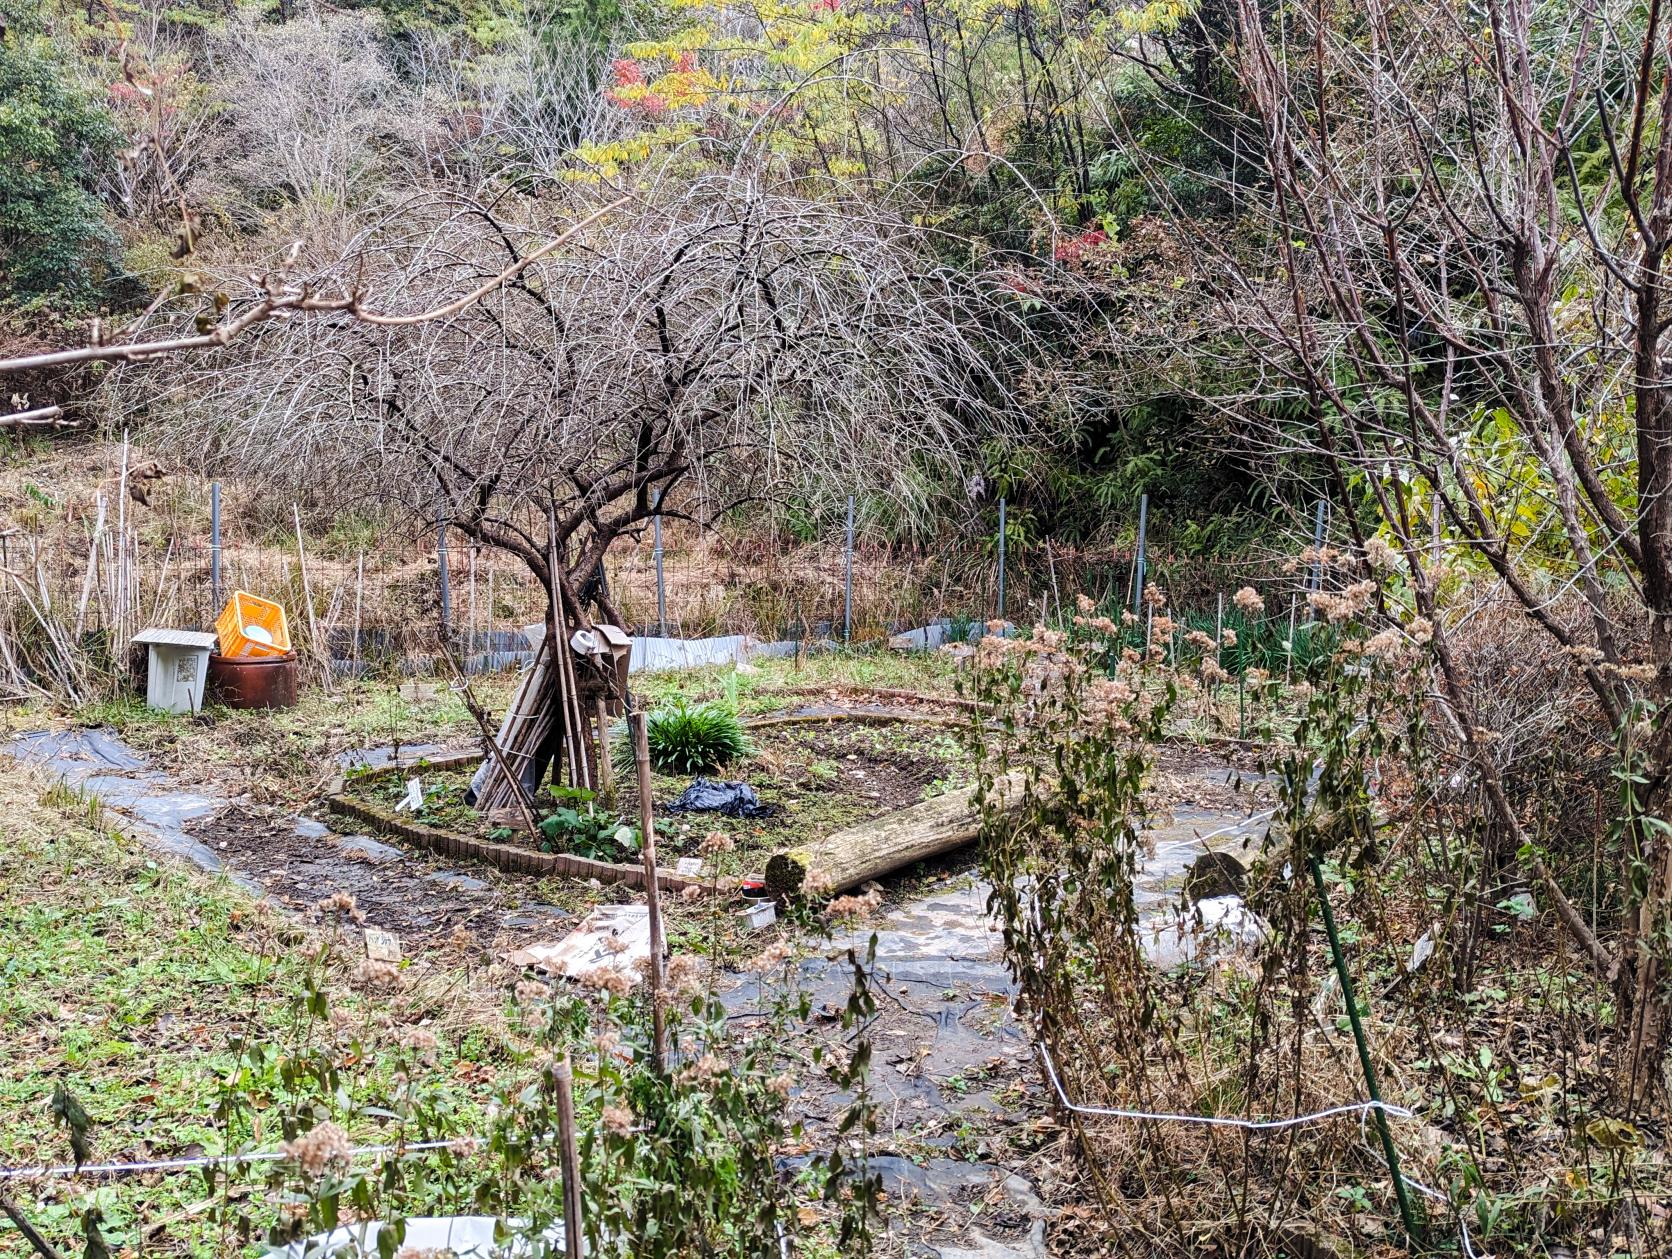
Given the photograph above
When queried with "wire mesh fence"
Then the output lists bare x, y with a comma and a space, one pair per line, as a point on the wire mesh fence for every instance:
86, 566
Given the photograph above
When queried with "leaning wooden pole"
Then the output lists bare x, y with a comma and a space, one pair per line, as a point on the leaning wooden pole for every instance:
580, 768
647, 827
573, 735
519, 793
42, 1247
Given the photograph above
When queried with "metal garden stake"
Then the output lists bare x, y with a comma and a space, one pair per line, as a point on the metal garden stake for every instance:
1001, 559
1138, 564
661, 582
1347, 994
638, 722
1316, 583
441, 567
847, 580
215, 544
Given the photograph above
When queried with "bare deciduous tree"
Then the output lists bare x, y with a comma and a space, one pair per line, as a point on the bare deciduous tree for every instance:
728, 345
1456, 265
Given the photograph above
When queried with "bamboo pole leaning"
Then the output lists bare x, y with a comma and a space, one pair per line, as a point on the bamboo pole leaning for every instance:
320, 649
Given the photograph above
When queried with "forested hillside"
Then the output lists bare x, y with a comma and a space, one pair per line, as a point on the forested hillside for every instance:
1025, 164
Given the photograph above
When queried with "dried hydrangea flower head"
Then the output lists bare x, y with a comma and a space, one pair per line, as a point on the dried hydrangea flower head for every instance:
606, 980
377, 976
1344, 606
321, 1148
685, 974
529, 991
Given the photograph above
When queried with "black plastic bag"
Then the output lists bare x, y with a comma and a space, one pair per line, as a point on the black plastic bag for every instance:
706, 795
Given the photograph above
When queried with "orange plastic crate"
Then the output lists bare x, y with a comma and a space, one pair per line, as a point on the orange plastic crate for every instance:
252, 626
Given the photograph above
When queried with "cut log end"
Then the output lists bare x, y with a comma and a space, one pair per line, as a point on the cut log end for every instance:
786, 873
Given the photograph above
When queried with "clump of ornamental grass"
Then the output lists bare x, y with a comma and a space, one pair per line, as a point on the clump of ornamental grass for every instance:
692, 739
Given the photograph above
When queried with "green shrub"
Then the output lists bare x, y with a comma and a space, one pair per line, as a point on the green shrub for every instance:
60, 142
577, 825
691, 740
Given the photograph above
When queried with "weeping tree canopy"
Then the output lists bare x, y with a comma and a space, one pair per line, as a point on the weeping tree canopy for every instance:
728, 345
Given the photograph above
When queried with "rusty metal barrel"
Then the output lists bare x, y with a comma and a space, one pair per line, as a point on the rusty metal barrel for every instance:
253, 681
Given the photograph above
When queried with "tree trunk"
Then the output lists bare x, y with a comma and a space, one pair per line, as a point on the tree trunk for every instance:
892, 842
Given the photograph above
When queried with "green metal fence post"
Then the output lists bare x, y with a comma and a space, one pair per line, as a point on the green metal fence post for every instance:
1388, 1150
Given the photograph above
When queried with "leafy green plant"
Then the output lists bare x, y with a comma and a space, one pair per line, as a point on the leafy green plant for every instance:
692, 740
584, 829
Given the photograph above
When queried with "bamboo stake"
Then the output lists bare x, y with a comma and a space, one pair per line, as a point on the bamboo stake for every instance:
92, 567
470, 633
652, 889
554, 637
130, 588
581, 766
162, 581
307, 598
1219, 632
359, 587
332, 611
106, 588
119, 594
1218, 653
1055, 590
1289, 647
579, 773
564, 1076
606, 768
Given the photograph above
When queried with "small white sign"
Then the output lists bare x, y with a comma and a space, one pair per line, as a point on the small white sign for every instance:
414, 798
689, 867
382, 946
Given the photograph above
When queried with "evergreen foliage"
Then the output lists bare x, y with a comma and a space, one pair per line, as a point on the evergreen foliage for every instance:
59, 142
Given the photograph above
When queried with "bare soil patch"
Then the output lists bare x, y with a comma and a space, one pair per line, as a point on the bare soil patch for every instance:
421, 900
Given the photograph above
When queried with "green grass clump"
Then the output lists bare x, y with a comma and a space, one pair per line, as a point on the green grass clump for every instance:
687, 739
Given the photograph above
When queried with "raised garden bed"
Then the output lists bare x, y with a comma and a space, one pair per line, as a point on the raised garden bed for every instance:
446, 842
823, 775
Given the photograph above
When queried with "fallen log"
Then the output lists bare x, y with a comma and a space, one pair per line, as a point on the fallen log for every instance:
859, 718
872, 849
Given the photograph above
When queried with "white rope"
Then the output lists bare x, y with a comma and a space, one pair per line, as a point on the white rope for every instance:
1218, 1121
216, 1160
1437, 1196
1263, 1125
